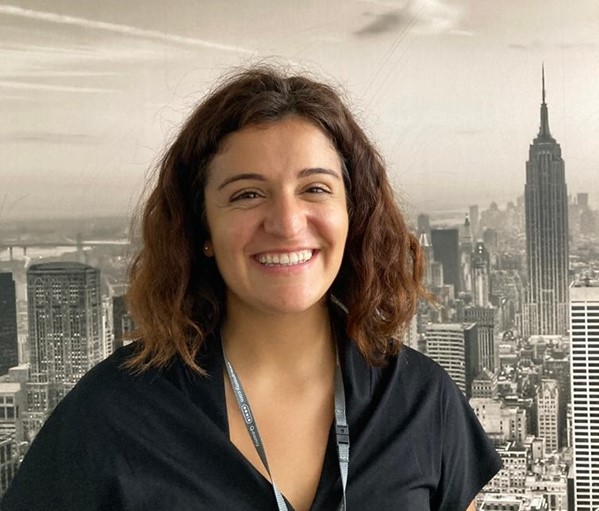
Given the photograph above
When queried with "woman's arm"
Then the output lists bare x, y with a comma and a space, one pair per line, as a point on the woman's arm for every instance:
471, 507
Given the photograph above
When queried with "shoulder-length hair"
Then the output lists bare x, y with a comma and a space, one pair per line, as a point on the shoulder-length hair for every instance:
177, 296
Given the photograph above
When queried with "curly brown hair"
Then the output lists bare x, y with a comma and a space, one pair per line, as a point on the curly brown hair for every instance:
177, 296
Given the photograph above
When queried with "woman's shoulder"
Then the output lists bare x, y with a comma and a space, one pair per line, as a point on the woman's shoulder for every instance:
111, 393
109, 377
414, 370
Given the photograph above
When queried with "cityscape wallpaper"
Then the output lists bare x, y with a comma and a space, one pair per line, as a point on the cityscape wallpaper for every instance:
486, 113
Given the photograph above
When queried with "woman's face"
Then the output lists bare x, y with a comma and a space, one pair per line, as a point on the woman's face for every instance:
277, 216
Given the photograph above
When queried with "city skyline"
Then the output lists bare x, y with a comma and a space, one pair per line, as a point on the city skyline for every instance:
92, 94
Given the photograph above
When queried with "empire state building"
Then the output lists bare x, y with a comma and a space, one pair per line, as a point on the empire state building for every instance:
546, 204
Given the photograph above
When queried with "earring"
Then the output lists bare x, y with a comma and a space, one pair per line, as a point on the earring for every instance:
207, 249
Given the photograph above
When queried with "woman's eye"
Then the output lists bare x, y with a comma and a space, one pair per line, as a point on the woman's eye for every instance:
245, 196
318, 189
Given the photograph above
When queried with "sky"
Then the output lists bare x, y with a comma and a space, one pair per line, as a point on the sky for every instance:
449, 90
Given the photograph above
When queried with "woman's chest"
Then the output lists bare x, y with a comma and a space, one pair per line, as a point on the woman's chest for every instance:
289, 433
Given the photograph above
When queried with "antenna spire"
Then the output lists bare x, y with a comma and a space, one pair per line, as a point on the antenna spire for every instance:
544, 128
543, 79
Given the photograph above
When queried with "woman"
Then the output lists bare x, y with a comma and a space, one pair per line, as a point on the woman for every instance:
275, 274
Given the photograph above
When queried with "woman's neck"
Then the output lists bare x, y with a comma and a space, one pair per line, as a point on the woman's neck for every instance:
267, 346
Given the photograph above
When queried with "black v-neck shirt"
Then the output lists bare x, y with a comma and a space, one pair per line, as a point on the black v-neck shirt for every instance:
160, 441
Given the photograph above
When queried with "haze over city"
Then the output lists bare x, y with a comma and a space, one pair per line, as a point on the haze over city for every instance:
90, 93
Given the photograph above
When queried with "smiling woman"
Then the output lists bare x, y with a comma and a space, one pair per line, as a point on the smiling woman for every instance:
276, 270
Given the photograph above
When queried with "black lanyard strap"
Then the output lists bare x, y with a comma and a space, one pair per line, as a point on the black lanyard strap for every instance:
341, 429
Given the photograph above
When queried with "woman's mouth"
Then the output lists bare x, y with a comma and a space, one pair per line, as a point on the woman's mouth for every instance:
285, 258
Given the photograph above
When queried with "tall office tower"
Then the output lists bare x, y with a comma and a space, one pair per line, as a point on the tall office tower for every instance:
451, 345
9, 343
446, 250
474, 220
556, 366
428, 260
584, 356
546, 212
107, 346
547, 401
65, 332
480, 275
484, 353
466, 247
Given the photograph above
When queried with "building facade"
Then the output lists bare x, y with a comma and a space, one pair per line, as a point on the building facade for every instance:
547, 251
584, 357
501, 422
547, 402
485, 352
446, 249
65, 333
450, 344
9, 343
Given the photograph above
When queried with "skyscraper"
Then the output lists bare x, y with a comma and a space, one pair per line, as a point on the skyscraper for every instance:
466, 247
480, 275
446, 251
546, 211
584, 359
65, 332
547, 402
483, 352
428, 260
454, 347
9, 344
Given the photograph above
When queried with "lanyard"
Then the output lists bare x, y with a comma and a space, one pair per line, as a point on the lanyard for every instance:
341, 429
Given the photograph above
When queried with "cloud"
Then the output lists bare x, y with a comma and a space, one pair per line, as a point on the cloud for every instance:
387, 22
11, 84
424, 17
46, 137
127, 30
42, 73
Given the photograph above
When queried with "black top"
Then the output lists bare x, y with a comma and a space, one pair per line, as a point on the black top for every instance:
160, 442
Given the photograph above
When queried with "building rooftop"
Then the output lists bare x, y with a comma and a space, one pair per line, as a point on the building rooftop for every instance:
9, 388
59, 266
586, 282
486, 375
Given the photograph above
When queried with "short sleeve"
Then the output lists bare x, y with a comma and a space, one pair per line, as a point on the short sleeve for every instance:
468, 458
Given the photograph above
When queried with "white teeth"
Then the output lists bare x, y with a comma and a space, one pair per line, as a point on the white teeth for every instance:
286, 259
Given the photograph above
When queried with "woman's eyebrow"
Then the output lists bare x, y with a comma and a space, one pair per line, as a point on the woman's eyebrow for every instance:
311, 171
318, 170
241, 177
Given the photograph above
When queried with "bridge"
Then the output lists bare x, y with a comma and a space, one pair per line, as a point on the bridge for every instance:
79, 244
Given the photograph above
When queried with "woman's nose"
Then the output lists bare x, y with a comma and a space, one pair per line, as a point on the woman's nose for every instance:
285, 217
